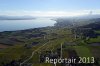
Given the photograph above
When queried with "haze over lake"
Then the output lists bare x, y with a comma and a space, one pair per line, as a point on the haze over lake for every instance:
12, 25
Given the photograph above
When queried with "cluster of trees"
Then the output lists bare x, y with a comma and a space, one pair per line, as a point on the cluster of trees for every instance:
83, 33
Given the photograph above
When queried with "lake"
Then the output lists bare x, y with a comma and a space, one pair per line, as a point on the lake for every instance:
12, 25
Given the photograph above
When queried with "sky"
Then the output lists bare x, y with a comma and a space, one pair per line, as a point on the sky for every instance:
49, 7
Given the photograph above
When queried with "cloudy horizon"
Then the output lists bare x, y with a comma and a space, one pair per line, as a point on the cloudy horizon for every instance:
49, 13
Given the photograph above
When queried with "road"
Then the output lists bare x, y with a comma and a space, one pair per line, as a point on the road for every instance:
33, 54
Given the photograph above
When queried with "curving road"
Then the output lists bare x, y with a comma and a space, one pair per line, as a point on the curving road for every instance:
33, 54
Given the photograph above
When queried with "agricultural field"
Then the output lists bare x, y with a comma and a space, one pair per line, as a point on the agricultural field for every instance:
31, 47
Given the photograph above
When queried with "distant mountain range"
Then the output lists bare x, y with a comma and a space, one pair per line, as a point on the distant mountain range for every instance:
16, 17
